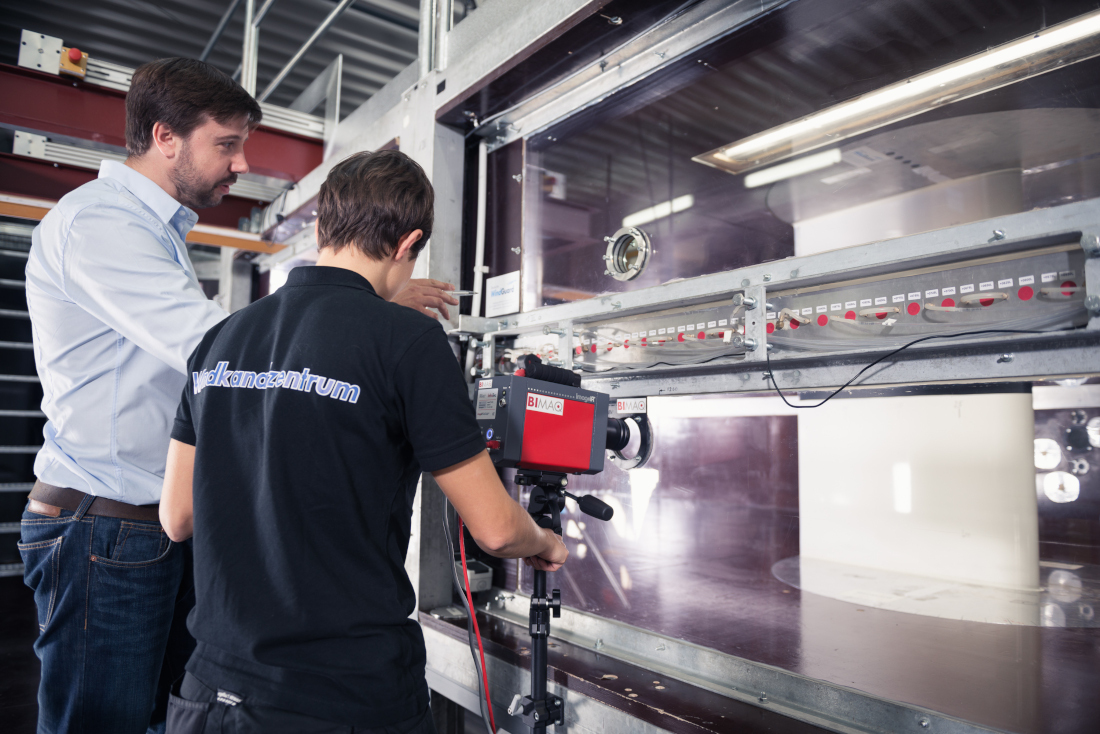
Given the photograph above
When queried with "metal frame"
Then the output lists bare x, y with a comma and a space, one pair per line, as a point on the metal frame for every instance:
830, 706
959, 360
629, 63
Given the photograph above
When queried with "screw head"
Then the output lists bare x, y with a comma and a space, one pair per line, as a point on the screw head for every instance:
767, 277
924, 722
998, 234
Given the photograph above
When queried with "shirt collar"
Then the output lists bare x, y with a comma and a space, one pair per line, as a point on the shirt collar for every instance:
167, 209
326, 275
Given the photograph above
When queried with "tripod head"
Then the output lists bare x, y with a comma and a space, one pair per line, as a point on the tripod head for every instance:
548, 495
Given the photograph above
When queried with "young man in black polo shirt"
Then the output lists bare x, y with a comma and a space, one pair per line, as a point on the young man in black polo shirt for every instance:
295, 458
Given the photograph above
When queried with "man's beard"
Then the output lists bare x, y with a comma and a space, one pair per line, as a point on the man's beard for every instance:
191, 190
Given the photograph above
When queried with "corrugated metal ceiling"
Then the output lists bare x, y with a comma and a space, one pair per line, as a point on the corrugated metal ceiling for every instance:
377, 37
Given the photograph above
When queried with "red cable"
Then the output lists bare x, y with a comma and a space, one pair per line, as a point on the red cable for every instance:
473, 616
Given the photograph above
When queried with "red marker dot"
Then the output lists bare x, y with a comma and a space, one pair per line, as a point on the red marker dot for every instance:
577, 351
609, 347
948, 303
881, 314
1068, 284
794, 324
702, 335
721, 335
914, 308
986, 301
643, 341
770, 327
822, 320
680, 337
593, 347
1025, 293
626, 344
850, 315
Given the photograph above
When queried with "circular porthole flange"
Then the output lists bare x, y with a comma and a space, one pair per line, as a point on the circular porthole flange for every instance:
628, 252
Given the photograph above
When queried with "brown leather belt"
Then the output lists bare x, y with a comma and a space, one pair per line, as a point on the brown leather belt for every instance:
46, 499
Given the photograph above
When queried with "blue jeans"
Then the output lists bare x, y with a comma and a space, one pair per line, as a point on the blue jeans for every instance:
112, 598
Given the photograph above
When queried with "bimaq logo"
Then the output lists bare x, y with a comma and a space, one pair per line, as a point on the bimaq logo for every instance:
544, 404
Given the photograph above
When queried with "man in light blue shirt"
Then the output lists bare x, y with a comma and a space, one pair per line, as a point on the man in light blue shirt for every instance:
116, 309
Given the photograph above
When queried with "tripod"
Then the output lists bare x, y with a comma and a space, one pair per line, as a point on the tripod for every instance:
548, 494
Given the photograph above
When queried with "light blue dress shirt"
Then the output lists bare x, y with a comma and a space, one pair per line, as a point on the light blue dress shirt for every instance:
116, 309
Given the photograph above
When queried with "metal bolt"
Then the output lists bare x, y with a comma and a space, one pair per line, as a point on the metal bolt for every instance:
599, 643
763, 697
750, 344
1090, 243
485, 373
616, 305
502, 324
503, 402
1005, 358
998, 234
767, 277
564, 482
1092, 303
740, 299
536, 716
613, 20
518, 177
515, 250
556, 332
924, 722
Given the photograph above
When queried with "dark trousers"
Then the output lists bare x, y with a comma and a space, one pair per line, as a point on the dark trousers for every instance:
112, 598
198, 710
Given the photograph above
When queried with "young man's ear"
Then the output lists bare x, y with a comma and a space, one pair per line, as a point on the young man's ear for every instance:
405, 245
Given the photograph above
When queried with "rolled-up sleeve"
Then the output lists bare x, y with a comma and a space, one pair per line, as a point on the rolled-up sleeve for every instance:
118, 269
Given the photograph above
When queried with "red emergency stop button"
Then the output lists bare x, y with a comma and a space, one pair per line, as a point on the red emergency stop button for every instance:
75, 55
494, 444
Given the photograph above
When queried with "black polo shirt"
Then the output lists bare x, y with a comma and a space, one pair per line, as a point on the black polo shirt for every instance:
313, 412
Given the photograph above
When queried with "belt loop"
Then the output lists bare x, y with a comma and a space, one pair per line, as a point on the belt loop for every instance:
85, 504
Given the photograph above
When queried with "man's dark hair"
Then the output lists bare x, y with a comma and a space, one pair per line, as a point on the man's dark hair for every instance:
371, 200
182, 94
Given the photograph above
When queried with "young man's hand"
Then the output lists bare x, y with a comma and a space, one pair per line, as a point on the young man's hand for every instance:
424, 294
553, 557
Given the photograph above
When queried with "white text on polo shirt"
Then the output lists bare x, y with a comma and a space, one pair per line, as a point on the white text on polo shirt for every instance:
303, 381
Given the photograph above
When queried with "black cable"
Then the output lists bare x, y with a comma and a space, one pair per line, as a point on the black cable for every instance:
771, 374
469, 616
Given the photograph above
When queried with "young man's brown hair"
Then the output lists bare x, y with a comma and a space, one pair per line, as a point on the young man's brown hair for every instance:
371, 200
182, 94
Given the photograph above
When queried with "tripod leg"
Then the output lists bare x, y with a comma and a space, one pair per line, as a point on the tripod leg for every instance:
539, 635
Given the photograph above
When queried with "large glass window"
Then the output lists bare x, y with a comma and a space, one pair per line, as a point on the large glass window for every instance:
940, 549
629, 161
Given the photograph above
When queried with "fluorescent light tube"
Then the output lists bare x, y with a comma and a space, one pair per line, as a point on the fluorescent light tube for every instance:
659, 211
790, 169
1053, 48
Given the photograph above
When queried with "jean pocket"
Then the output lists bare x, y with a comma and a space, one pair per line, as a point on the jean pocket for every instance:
135, 559
42, 569
186, 717
139, 543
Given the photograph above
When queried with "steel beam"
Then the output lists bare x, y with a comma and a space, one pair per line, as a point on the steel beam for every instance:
220, 29
328, 21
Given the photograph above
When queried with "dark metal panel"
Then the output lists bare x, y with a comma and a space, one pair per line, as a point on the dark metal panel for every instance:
376, 39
